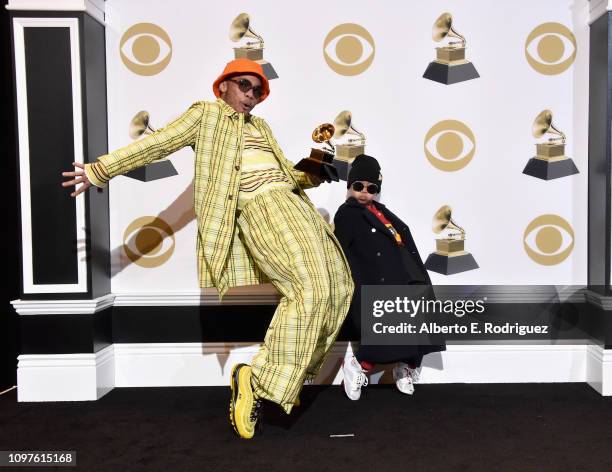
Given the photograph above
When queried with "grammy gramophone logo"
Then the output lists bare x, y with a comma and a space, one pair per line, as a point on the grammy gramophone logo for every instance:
550, 48
241, 29
350, 142
140, 126
548, 239
450, 145
349, 49
148, 241
450, 256
145, 49
550, 161
450, 65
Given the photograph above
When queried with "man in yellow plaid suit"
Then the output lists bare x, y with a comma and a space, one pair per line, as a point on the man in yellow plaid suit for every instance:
255, 225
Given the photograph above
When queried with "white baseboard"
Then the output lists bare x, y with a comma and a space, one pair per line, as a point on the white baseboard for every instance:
506, 364
599, 369
89, 376
142, 365
65, 377
178, 364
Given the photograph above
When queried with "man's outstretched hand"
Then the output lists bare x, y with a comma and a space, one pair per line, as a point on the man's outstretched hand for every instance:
79, 178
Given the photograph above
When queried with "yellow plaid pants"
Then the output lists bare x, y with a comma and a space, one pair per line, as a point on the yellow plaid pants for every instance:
288, 241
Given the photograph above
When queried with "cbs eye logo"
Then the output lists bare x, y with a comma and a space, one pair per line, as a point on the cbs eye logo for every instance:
349, 49
148, 241
146, 49
450, 145
548, 239
550, 48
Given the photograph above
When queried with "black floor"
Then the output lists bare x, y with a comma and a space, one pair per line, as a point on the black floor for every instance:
460, 427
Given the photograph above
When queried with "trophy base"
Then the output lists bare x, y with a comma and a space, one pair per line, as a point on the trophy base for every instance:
550, 151
348, 152
154, 171
450, 74
343, 168
449, 265
319, 163
345, 155
548, 170
320, 169
254, 54
268, 70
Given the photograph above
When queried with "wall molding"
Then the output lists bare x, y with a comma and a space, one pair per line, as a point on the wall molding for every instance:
598, 8
267, 295
94, 7
63, 307
601, 301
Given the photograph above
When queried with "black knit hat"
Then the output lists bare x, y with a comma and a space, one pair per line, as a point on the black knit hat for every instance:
366, 168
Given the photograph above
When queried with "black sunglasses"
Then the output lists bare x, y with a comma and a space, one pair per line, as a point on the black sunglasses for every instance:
245, 85
358, 187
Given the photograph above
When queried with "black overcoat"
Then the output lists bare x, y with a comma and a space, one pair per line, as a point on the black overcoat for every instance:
375, 258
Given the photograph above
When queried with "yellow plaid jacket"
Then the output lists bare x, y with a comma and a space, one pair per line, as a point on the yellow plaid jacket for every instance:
216, 131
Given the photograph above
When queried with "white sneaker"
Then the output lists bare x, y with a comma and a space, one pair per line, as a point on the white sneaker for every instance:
405, 377
354, 378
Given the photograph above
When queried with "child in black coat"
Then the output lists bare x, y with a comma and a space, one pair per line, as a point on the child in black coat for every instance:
380, 251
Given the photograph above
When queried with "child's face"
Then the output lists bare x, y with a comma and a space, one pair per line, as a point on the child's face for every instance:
363, 196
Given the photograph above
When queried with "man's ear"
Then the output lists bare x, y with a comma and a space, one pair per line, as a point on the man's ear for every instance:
223, 86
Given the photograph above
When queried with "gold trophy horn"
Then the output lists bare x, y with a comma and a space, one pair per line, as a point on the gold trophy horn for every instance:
140, 125
543, 124
442, 220
343, 125
240, 29
323, 133
443, 27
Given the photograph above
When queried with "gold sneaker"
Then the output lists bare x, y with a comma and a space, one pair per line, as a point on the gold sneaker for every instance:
245, 407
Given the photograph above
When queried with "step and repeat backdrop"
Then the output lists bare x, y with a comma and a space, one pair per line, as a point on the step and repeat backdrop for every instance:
477, 111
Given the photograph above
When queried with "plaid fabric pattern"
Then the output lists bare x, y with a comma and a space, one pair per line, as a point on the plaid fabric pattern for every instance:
216, 131
260, 168
289, 240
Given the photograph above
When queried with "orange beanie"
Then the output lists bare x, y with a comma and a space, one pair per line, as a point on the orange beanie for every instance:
240, 67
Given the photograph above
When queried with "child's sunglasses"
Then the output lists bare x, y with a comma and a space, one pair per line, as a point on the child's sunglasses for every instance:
371, 188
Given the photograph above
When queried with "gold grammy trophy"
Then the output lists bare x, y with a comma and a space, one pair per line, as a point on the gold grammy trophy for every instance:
450, 256
450, 65
239, 29
156, 170
354, 143
550, 161
320, 161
